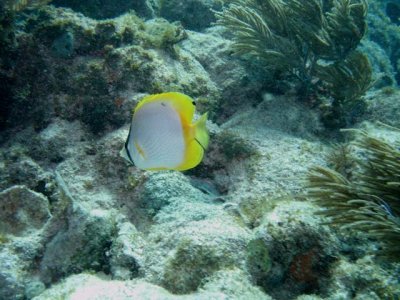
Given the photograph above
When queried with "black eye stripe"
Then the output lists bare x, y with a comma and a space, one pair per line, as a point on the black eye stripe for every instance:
126, 146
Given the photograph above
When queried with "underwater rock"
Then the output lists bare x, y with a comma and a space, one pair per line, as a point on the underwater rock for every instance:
63, 46
383, 106
83, 245
160, 188
268, 174
239, 85
18, 255
127, 253
385, 33
23, 170
382, 67
163, 34
364, 279
11, 275
22, 211
202, 248
34, 288
191, 241
57, 141
109, 163
236, 284
193, 14
286, 114
93, 68
24, 215
104, 9
299, 253
88, 287
393, 12
68, 86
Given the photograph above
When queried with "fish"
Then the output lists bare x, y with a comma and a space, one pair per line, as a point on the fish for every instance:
163, 136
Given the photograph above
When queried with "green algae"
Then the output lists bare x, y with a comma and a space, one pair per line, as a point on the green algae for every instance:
4, 239
253, 209
258, 258
162, 34
234, 146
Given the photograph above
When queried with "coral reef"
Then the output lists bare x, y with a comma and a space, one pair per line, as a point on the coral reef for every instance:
91, 70
77, 222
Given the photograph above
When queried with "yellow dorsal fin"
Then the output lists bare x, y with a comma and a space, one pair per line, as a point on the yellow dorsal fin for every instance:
182, 103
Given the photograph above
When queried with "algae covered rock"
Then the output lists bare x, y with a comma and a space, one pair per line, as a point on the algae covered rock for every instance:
206, 243
196, 259
106, 9
82, 245
363, 279
94, 67
238, 85
290, 254
383, 69
11, 276
127, 252
236, 284
23, 170
383, 31
192, 239
161, 188
384, 107
18, 279
193, 14
24, 216
22, 211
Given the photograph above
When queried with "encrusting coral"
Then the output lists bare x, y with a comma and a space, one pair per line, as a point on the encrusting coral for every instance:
312, 41
370, 202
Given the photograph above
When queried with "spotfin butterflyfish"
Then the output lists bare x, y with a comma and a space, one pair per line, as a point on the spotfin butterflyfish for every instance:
163, 136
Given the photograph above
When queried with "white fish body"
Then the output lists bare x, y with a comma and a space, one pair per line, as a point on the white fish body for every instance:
161, 135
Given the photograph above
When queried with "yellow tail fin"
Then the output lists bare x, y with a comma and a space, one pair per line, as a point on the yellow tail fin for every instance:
201, 132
